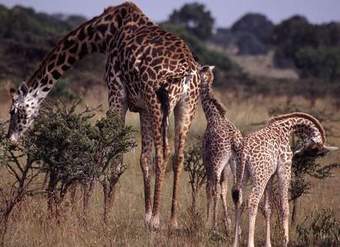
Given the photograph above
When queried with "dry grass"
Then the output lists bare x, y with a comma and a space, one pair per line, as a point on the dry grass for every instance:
262, 66
31, 226
258, 65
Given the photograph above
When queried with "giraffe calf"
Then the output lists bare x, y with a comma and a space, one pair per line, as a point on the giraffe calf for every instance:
221, 142
266, 153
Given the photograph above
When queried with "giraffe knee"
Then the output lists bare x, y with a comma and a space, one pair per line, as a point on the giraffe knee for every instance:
252, 207
177, 162
267, 211
285, 213
145, 159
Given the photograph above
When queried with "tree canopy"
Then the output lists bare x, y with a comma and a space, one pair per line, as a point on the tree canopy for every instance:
195, 18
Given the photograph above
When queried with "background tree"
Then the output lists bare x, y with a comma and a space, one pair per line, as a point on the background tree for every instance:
256, 24
195, 18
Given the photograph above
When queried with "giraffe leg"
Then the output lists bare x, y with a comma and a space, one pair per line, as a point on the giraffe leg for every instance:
237, 227
224, 192
215, 193
156, 119
209, 199
267, 212
184, 113
253, 203
284, 176
145, 160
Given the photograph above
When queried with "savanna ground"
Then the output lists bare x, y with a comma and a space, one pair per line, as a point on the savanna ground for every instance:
30, 224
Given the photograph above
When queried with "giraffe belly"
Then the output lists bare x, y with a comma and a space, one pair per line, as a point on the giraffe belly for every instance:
136, 103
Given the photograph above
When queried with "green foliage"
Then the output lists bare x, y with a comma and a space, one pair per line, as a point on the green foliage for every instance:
249, 44
26, 37
322, 63
321, 228
3, 142
193, 165
312, 49
23, 23
72, 148
61, 90
67, 148
256, 24
194, 18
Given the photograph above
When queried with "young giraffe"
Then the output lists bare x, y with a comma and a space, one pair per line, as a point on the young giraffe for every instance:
148, 70
267, 152
221, 142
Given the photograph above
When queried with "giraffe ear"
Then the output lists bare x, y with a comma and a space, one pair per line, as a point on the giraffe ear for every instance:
212, 67
12, 92
330, 148
23, 89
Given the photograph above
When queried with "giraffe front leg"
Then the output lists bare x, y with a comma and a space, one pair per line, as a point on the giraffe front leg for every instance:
215, 201
209, 199
145, 161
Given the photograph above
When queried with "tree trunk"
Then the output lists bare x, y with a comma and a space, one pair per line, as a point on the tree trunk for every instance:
109, 191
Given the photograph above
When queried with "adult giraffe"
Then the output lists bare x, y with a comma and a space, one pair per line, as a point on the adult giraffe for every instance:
148, 70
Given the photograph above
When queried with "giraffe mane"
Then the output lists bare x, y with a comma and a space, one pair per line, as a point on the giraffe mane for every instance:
49, 54
220, 107
307, 116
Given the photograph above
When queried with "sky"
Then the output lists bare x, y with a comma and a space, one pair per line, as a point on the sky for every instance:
225, 12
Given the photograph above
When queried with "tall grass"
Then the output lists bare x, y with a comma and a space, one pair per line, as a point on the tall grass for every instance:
32, 226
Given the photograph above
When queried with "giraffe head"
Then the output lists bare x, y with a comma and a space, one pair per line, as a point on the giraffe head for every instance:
308, 129
22, 112
207, 76
314, 141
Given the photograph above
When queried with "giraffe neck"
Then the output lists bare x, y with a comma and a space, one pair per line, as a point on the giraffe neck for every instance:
213, 110
94, 36
296, 125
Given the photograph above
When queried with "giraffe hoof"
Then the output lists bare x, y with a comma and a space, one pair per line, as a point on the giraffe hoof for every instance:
227, 225
173, 224
154, 223
147, 219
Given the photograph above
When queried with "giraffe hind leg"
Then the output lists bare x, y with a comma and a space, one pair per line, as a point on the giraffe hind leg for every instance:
255, 196
145, 162
155, 114
183, 117
284, 176
224, 192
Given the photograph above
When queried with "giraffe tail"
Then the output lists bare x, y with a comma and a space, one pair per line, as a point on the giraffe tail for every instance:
237, 188
163, 97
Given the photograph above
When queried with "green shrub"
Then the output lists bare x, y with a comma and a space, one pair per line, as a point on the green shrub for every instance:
61, 90
321, 228
72, 149
321, 63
